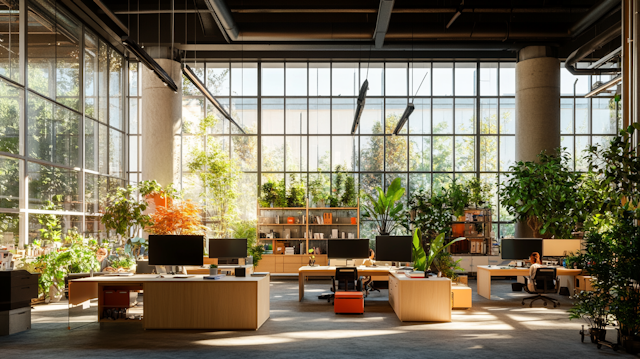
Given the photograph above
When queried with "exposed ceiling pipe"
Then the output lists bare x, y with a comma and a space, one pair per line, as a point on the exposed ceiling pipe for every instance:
597, 42
593, 15
112, 16
606, 58
382, 23
335, 47
223, 18
542, 10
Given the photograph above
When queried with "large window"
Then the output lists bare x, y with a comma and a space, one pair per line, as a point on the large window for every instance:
62, 137
298, 115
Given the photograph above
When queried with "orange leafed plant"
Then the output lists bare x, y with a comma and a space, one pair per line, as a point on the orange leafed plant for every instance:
177, 218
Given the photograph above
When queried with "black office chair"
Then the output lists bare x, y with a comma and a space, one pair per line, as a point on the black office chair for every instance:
546, 281
347, 279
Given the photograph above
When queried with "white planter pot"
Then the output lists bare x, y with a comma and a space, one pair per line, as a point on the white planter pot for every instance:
54, 294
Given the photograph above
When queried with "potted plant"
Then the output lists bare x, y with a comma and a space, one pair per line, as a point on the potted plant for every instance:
213, 269
297, 193
317, 190
543, 195
153, 191
348, 197
478, 193
459, 197
424, 259
124, 214
268, 194
383, 208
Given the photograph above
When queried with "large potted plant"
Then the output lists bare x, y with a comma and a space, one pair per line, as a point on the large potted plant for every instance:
429, 212
543, 195
425, 253
384, 208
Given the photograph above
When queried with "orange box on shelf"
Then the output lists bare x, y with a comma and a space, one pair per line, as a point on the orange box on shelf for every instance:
291, 220
354, 220
348, 302
327, 218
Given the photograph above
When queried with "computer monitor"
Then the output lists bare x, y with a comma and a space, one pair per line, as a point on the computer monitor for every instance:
560, 247
227, 248
348, 248
394, 248
176, 250
520, 248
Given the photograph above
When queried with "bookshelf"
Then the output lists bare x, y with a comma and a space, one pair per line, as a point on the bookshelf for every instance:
306, 231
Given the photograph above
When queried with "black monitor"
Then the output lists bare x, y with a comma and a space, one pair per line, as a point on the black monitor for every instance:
394, 248
348, 248
226, 248
176, 250
520, 248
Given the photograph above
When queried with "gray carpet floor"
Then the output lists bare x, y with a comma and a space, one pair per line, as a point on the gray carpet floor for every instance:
501, 328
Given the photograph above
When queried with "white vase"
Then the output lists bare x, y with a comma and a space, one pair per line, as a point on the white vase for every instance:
213, 271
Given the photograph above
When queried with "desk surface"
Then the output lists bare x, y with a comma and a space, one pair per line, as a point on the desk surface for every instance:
143, 278
332, 269
501, 270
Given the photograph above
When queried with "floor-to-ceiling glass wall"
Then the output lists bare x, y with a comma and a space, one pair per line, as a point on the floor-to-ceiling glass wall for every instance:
298, 116
62, 128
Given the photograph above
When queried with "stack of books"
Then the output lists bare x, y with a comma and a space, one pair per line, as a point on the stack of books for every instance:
288, 250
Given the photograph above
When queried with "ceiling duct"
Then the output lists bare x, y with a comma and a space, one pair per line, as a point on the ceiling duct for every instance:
597, 42
224, 20
593, 15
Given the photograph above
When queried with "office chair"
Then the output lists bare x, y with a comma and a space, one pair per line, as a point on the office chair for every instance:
347, 279
546, 282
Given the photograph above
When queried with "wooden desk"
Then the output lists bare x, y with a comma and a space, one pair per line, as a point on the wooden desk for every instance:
485, 273
326, 271
186, 303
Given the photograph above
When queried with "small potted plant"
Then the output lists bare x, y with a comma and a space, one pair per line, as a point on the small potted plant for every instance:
213, 269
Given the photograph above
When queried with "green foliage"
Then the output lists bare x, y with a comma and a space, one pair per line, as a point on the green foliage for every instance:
281, 194
150, 188
430, 212
268, 194
424, 259
247, 229
445, 264
616, 173
297, 193
349, 194
78, 257
317, 188
124, 214
543, 194
52, 230
459, 196
219, 176
384, 209
478, 192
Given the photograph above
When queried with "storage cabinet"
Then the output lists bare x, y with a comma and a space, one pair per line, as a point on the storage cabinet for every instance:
17, 288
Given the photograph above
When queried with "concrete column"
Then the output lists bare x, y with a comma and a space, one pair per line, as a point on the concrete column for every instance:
537, 108
161, 120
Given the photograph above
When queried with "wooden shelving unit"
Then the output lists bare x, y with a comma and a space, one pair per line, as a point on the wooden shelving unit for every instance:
477, 231
278, 262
